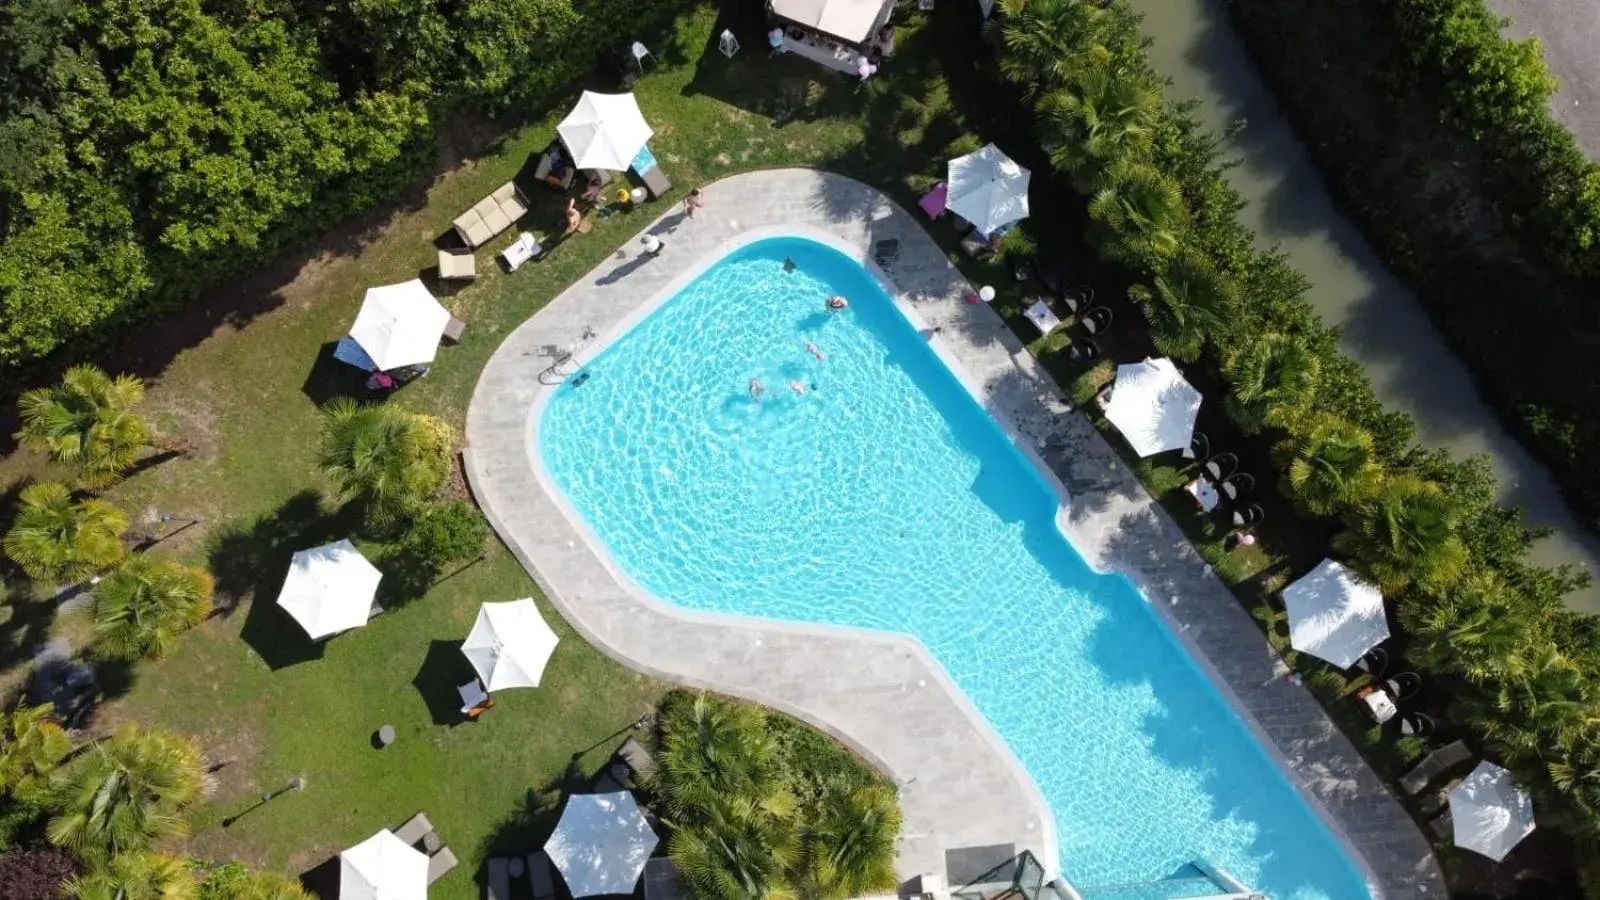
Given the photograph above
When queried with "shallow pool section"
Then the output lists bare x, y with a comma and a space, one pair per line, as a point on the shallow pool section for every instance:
745, 450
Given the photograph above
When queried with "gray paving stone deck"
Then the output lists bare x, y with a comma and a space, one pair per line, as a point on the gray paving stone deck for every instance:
883, 694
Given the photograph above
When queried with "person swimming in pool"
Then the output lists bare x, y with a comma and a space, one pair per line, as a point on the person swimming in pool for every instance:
837, 302
798, 387
814, 351
757, 389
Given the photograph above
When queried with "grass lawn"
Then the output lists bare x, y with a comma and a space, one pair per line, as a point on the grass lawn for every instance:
245, 397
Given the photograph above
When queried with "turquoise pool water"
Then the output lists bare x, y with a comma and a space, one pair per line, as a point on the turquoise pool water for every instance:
881, 495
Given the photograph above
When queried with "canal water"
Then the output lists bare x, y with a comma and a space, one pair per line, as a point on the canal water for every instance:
1383, 326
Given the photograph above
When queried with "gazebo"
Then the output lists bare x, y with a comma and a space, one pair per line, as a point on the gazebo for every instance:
832, 33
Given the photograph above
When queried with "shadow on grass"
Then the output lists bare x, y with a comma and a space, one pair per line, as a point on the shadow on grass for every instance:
330, 378
443, 669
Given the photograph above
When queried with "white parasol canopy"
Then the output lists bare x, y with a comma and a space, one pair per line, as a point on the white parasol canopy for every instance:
1153, 406
510, 644
604, 131
329, 588
848, 20
987, 189
601, 844
1334, 615
400, 325
1491, 814
383, 867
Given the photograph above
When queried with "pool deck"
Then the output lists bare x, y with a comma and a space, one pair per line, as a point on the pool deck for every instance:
883, 694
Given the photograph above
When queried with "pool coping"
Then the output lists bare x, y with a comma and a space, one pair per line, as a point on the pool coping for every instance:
960, 784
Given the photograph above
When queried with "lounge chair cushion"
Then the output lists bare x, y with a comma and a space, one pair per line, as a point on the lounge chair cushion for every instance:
509, 200
636, 757
499, 881
539, 876
1452, 754
414, 830
457, 266
655, 181
491, 215
440, 863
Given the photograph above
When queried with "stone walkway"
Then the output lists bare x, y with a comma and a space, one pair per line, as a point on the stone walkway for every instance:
883, 694
1569, 31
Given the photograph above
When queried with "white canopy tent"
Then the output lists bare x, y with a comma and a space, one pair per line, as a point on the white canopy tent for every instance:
383, 867
987, 188
1153, 406
400, 325
601, 844
604, 131
509, 644
1334, 615
848, 20
1491, 814
330, 588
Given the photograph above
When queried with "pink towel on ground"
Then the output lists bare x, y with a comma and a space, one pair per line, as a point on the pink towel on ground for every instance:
932, 202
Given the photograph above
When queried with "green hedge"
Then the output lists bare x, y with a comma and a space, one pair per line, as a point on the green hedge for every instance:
151, 149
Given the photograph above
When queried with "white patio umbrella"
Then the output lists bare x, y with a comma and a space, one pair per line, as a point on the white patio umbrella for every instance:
604, 131
987, 189
383, 867
1334, 615
329, 588
601, 844
849, 20
400, 325
1153, 406
1491, 814
510, 644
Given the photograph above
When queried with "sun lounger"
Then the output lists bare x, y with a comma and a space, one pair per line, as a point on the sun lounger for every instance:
414, 830
491, 215
976, 245
1436, 800
1434, 765
539, 876
547, 165
453, 330
1444, 826
637, 758
933, 202
440, 864
1042, 318
498, 885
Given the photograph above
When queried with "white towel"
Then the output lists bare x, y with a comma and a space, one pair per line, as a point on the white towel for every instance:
1042, 318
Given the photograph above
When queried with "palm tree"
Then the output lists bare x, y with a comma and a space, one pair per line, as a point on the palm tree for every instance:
850, 847
384, 457
740, 851
1140, 217
1274, 380
142, 608
1543, 714
55, 539
87, 421
1407, 534
1046, 41
235, 881
1482, 629
1332, 467
1191, 303
713, 752
136, 876
126, 793
1098, 121
32, 745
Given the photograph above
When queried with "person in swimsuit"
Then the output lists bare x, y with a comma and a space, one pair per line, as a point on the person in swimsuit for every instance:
837, 302
757, 389
814, 351
798, 388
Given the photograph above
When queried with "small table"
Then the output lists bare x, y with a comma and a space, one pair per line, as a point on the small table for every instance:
1379, 704
385, 735
430, 842
515, 868
1204, 493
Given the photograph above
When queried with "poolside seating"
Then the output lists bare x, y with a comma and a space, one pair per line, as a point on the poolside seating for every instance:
415, 829
1249, 515
440, 864
1437, 800
1404, 685
1103, 399
474, 699
649, 172
457, 266
1375, 663
1221, 466
491, 215
640, 53
453, 330
497, 885
1097, 320
1416, 724
1042, 317
1444, 826
636, 758
1434, 765
1082, 350
539, 876
976, 245
933, 201
1199, 446
1078, 299
525, 247
1237, 484
555, 167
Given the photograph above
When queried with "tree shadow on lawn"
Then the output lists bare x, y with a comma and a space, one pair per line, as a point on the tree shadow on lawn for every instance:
250, 564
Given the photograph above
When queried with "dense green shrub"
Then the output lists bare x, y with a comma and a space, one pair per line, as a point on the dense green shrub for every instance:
445, 533
389, 460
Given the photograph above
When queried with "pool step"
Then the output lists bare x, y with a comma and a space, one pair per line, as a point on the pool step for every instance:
1197, 881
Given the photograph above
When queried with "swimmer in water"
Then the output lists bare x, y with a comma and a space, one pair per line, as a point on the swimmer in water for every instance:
837, 302
789, 266
798, 388
814, 351
757, 389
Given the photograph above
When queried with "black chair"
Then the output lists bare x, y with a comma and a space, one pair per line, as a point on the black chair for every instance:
1403, 685
1374, 664
1078, 298
1219, 467
1236, 485
1249, 515
1082, 350
1097, 320
1199, 446
1416, 724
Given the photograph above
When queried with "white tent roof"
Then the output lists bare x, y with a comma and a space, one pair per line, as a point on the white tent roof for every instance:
848, 20
601, 844
1491, 814
400, 324
329, 588
510, 644
383, 867
604, 131
1334, 615
1153, 406
987, 189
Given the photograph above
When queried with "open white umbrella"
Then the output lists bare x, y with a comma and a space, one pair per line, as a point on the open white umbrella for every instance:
400, 325
509, 644
849, 20
601, 844
987, 189
330, 588
1153, 406
1490, 813
1334, 615
604, 131
383, 867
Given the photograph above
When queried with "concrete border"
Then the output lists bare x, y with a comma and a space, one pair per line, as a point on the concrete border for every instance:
960, 785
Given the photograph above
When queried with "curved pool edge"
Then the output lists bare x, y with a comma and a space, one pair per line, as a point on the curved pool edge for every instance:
960, 784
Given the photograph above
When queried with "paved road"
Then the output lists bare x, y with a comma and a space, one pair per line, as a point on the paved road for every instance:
1570, 33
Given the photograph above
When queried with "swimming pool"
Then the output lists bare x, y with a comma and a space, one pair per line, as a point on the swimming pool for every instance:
875, 492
